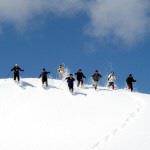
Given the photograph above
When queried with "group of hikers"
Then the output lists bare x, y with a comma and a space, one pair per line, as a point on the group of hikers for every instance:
79, 77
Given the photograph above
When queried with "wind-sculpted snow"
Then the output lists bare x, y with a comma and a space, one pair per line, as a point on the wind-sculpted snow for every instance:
37, 118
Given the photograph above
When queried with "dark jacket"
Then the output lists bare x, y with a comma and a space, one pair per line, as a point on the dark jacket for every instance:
16, 69
96, 76
130, 80
70, 81
80, 75
44, 74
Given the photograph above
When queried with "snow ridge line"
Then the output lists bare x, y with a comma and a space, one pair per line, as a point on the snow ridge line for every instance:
100, 145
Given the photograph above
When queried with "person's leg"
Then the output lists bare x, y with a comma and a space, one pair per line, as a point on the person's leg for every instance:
111, 84
14, 77
18, 77
78, 83
46, 82
93, 84
70, 88
131, 87
60, 76
96, 85
43, 81
81, 82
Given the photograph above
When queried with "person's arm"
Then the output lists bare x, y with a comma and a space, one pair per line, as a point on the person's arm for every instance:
66, 78
20, 69
83, 75
93, 76
134, 80
12, 69
40, 75
100, 75
109, 76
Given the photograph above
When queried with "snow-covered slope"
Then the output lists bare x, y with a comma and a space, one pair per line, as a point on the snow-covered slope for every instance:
34, 118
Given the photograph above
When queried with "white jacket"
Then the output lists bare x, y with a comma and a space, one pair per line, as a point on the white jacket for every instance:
61, 70
111, 78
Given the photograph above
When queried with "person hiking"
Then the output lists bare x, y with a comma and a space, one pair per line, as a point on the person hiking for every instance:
111, 80
80, 77
16, 70
96, 77
130, 80
61, 71
44, 76
70, 81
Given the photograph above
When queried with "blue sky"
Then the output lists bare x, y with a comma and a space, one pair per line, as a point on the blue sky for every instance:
47, 40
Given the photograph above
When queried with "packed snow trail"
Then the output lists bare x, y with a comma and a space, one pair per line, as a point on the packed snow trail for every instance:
35, 118
101, 144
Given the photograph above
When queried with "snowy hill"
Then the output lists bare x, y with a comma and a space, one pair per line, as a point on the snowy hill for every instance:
34, 118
